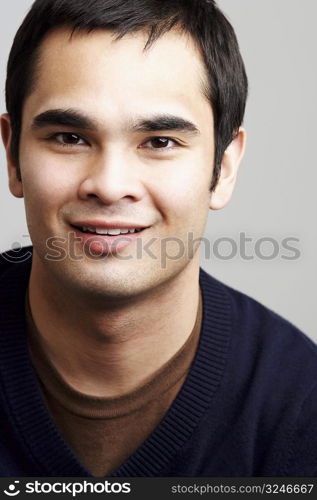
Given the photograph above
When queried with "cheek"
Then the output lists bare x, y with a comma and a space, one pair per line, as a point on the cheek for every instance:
182, 191
45, 183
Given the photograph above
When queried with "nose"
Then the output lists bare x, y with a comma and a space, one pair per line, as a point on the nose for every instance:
110, 178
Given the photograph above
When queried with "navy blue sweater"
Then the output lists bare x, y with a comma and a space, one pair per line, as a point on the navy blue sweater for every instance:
248, 406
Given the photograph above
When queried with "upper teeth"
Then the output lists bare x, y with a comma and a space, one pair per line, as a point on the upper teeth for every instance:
111, 232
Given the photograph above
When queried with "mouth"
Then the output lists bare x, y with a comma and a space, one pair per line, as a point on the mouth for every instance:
106, 238
110, 231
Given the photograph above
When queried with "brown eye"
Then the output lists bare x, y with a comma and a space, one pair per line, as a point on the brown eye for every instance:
69, 139
160, 143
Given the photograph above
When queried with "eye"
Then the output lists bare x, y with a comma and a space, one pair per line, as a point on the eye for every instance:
68, 139
160, 143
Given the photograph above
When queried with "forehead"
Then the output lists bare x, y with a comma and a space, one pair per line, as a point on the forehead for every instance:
118, 77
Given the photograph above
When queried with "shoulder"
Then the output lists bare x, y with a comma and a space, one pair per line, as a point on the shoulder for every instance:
15, 268
9, 259
259, 335
249, 314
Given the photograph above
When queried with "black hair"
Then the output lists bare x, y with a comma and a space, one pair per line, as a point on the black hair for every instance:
201, 19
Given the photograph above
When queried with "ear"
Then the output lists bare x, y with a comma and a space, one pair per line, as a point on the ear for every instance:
229, 170
15, 183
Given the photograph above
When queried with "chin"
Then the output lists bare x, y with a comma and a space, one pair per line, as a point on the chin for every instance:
106, 284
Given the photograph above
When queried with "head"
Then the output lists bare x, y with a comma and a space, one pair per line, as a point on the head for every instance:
94, 87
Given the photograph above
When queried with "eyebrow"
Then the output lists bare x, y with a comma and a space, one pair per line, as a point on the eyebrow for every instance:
76, 119
165, 122
64, 117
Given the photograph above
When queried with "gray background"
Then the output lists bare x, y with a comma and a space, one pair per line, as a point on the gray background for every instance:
275, 194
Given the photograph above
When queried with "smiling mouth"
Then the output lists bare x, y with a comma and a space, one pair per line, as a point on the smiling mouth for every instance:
108, 231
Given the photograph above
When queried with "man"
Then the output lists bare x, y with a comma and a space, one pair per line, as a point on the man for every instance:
119, 355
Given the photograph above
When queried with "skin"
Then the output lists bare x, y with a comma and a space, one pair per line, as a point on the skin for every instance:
109, 323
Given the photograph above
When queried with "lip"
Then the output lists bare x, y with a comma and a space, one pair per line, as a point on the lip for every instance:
105, 244
107, 225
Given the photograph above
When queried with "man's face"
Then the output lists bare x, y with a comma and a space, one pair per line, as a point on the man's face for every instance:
141, 156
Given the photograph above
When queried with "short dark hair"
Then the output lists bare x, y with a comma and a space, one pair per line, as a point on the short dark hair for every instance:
227, 81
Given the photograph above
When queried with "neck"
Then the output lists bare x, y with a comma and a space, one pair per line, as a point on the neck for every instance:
109, 351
